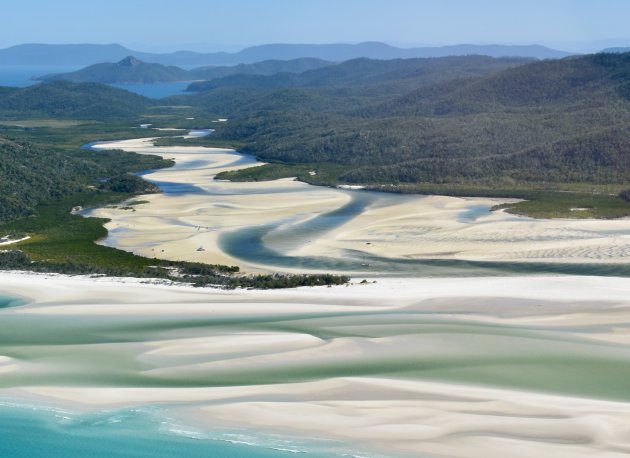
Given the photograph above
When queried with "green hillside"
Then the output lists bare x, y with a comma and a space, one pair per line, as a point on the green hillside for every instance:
128, 70
133, 70
267, 67
551, 121
62, 99
359, 74
31, 174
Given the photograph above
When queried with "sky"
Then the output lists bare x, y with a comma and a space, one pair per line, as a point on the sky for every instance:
209, 25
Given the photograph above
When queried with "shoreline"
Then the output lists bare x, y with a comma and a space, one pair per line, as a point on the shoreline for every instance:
157, 422
390, 228
388, 411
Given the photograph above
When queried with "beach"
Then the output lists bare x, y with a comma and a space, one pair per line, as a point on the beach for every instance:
464, 367
439, 346
289, 226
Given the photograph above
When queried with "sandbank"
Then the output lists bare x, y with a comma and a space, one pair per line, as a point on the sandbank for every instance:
333, 327
174, 226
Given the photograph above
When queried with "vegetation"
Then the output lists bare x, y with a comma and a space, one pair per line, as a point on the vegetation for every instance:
128, 70
31, 175
554, 133
44, 175
62, 99
358, 73
65, 243
133, 70
266, 67
318, 174
542, 126
570, 205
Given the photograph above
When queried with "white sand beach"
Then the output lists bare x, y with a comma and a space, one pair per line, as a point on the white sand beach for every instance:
511, 366
321, 362
174, 226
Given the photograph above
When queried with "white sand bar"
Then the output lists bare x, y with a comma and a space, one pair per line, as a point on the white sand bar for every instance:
469, 367
175, 225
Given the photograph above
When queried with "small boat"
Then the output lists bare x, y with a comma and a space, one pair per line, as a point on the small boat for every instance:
201, 249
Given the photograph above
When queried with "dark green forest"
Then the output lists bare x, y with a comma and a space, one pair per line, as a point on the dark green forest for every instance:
128, 70
66, 100
554, 132
557, 121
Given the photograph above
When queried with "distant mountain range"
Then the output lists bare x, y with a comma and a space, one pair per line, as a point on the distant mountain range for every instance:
617, 50
89, 54
441, 123
133, 70
363, 72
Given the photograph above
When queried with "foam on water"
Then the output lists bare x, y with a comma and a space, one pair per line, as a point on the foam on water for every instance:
43, 431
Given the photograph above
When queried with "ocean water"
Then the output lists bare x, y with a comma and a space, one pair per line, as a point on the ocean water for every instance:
35, 432
22, 76
156, 90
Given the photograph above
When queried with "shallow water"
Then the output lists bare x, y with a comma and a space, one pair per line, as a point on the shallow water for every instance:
35, 432
273, 245
223, 347
110, 350
6, 301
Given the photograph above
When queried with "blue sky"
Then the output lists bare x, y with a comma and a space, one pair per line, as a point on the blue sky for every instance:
209, 24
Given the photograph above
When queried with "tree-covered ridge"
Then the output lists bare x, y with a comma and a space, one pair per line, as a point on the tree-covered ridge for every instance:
362, 73
133, 70
128, 70
32, 174
592, 81
62, 99
266, 67
562, 121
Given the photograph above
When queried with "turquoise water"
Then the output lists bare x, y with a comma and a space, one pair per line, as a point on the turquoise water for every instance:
32, 432
6, 302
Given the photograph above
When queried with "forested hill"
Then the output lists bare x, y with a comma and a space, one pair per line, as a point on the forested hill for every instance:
32, 174
128, 70
133, 70
544, 122
89, 54
363, 72
588, 81
62, 99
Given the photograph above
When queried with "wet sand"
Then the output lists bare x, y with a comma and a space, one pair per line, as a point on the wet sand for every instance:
471, 367
198, 215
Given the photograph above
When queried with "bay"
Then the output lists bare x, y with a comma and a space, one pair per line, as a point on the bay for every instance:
22, 76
